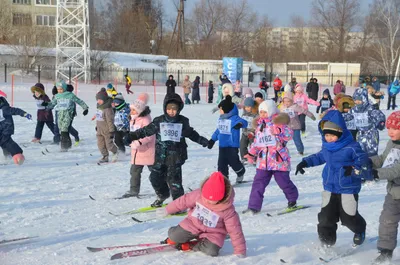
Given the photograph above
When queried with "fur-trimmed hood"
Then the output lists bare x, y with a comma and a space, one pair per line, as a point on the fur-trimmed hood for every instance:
38, 88
229, 87
345, 100
277, 119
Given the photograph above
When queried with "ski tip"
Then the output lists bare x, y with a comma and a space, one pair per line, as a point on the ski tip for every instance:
93, 249
90, 196
117, 256
283, 261
136, 220
323, 260
43, 153
113, 214
269, 215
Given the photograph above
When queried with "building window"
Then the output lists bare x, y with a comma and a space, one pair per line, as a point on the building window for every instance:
22, 2
46, 2
44, 20
22, 19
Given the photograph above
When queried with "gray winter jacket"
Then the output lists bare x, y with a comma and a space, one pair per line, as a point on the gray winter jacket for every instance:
391, 171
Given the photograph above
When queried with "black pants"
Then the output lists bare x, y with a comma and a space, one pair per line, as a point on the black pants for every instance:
229, 156
335, 207
8, 144
393, 100
302, 118
118, 140
167, 180
210, 98
39, 128
276, 95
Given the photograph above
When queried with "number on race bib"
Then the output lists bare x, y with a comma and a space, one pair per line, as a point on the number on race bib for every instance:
265, 139
325, 104
63, 104
224, 126
171, 131
290, 112
205, 216
392, 158
351, 125
361, 119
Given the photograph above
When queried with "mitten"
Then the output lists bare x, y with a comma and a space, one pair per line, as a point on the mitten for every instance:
85, 112
127, 140
238, 126
375, 174
250, 135
28, 116
300, 167
210, 144
203, 141
45, 104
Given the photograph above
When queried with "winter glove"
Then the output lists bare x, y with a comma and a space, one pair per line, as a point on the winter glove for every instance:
45, 104
375, 174
203, 141
28, 116
210, 144
250, 135
347, 171
95, 128
94, 117
127, 140
249, 158
238, 126
161, 212
85, 112
300, 167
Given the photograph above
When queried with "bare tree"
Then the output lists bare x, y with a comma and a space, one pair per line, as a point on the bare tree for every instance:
386, 30
336, 18
5, 22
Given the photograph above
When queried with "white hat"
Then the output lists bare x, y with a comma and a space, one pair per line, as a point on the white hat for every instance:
268, 106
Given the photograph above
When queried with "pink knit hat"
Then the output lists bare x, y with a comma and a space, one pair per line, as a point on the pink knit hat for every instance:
214, 188
140, 103
299, 88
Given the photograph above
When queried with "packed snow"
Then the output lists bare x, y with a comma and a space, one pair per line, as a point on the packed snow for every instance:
48, 197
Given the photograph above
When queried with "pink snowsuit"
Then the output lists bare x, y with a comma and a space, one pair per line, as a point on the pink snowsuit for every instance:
302, 99
227, 223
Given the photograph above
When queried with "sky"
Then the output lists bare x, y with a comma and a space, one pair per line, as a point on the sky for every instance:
278, 11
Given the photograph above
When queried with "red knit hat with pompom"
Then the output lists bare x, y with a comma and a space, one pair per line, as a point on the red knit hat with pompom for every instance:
393, 121
214, 188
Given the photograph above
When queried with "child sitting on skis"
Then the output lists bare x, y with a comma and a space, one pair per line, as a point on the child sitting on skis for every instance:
270, 150
346, 164
386, 166
210, 219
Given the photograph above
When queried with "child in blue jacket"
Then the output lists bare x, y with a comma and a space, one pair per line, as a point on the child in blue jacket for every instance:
228, 135
346, 164
121, 121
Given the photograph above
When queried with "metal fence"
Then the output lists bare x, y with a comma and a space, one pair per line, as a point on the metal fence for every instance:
104, 75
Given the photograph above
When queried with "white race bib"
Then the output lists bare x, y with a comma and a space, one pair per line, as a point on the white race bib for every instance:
99, 115
249, 121
224, 126
290, 112
171, 131
63, 103
1, 115
325, 104
206, 216
118, 120
361, 119
392, 158
351, 124
39, 104
265, 139
300, 102
133, 127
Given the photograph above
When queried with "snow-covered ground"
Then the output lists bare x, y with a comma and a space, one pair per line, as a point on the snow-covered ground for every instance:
48, 197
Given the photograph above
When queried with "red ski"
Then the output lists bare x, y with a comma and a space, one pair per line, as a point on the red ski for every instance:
124, 246
142, 252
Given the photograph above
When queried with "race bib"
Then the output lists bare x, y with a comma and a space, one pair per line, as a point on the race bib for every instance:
224, 126
290, 112
361, 119
249, 121
99, 115
265, 139
1, 115
392, 158
351, 125
118, 120
300, 102
63, 104
133, 127
206, 216
325, 104
171, 131
39, 104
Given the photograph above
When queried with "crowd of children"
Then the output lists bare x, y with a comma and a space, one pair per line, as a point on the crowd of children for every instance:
349, 129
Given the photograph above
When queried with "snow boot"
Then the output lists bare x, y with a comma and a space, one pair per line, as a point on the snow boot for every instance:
19, 159
114, 157
157, 203
129, 194
384, 257
359, 238
252, 211
239, 179
65, 141
291, 205
104, 159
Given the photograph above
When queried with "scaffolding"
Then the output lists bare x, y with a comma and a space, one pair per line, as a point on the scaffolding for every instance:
73, 40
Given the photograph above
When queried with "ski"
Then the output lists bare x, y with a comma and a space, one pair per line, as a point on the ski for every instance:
140, 210
92, 249
282, 260
290, 210
142, 252
348, 252
140, 196
16, 239
47, 151
151, 219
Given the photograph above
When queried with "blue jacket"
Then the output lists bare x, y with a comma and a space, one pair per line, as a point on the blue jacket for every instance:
121, 118
394, 88
229, 137
6, 120
377, 85
344, 152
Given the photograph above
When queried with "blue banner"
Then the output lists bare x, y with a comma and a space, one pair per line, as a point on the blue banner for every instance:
233, 68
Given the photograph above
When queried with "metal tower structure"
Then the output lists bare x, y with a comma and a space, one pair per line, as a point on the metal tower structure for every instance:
73, 40
179, 30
